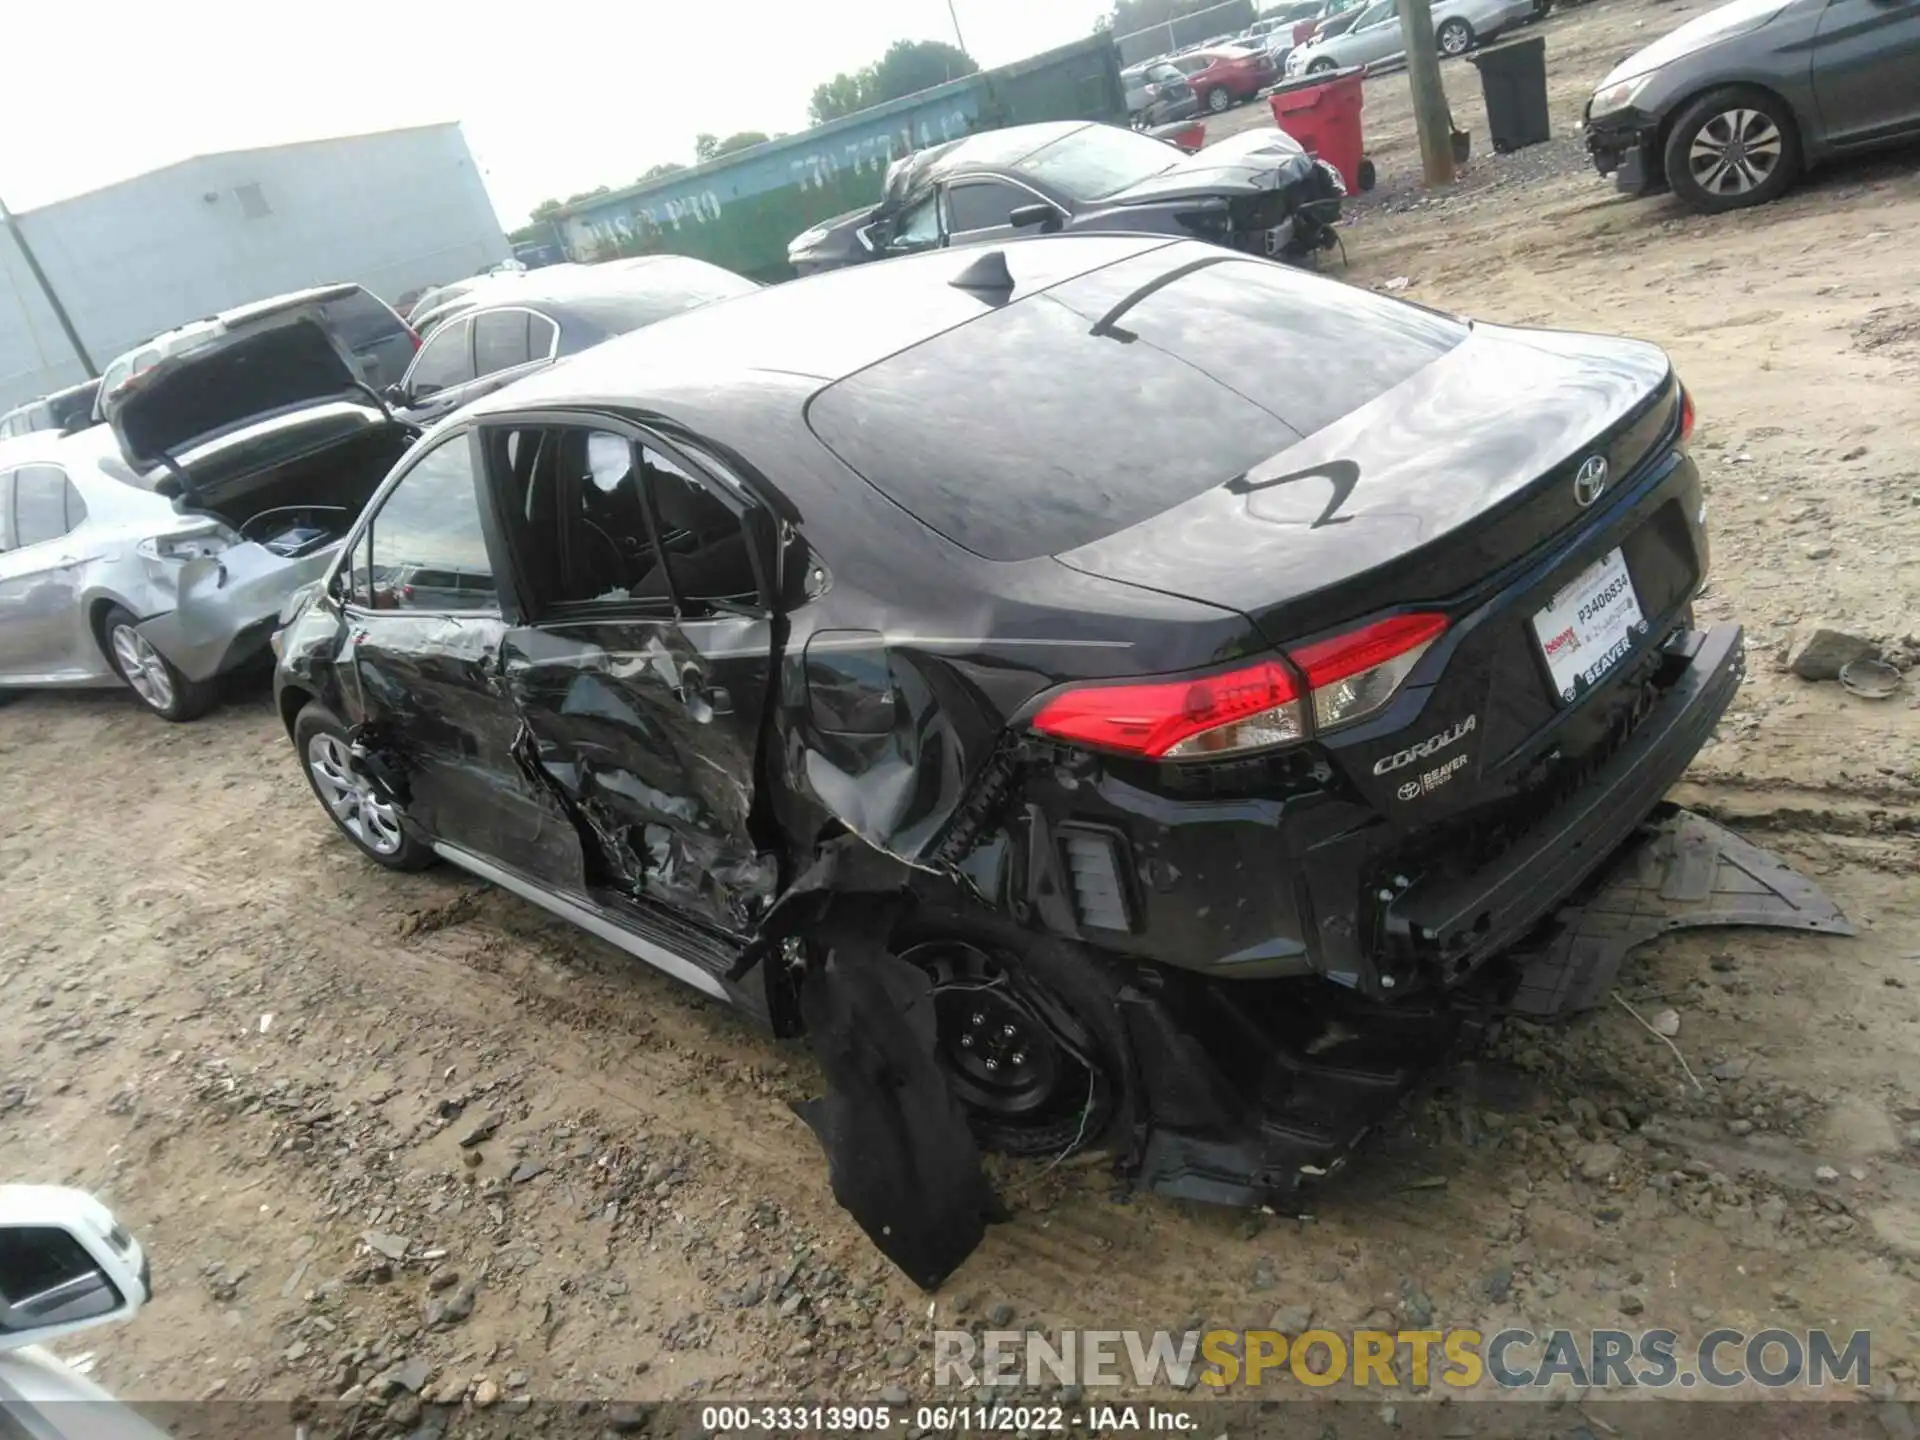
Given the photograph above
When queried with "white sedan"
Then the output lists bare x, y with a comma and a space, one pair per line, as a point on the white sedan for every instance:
1374, 39
103, 582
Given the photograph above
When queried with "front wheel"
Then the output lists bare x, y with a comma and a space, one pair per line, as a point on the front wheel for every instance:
1321, 67
1455, 37
373, 823
1732, 148
155, 681
1218, 100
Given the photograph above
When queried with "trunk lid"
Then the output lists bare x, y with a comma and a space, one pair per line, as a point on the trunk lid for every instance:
1434, 485
243, 406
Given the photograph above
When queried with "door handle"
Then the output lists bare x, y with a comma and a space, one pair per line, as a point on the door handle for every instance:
703, 701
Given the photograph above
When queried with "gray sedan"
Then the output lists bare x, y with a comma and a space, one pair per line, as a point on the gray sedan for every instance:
105, 583
1728, 109
1374, 38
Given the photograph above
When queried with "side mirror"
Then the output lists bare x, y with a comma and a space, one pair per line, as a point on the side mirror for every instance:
1039, 213
395, 394
65, 1265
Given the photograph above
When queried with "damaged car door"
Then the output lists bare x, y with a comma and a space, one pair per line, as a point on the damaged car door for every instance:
434, 722
641, 668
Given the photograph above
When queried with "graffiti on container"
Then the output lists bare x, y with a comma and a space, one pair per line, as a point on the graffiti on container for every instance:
661, 218
648, 222
870, 155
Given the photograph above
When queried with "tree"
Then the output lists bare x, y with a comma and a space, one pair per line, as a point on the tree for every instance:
544, 210
654, 172
706, 147
909, 66
836, 97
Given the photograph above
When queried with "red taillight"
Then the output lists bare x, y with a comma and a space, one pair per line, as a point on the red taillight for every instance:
413, 335
1177, 719
1254, 708
1355, 674
1686, 415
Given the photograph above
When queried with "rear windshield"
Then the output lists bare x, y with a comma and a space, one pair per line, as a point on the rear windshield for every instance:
1097, 161
1029, 432
361, 321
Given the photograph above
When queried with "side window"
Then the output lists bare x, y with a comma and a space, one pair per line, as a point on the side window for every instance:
443, 360
624, 525
428, 551
499, 340
919, 227
541, 335
6, 512
982, 204
40, 504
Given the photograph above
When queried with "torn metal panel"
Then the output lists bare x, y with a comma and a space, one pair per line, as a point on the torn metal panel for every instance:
900, 1156
1683, 871
651, 742
218, 604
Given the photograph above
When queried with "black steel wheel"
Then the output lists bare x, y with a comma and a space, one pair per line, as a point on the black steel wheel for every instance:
1017, 1036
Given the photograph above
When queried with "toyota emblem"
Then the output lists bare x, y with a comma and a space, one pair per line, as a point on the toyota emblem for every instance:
1590, 481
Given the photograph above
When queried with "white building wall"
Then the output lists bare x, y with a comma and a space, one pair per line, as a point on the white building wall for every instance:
394, 211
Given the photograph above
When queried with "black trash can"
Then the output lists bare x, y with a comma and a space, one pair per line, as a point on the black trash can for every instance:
1513, 77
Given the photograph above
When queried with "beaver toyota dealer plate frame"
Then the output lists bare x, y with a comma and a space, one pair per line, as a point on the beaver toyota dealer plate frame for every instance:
1589, 625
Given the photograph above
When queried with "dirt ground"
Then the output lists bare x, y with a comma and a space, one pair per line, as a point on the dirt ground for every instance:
269, 1057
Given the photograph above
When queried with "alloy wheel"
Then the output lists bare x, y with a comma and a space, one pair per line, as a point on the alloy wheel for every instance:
350, 797
1735, 152
1454, 39
1218, 101
141, 666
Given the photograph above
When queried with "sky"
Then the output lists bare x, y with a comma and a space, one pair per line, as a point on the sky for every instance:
554, 98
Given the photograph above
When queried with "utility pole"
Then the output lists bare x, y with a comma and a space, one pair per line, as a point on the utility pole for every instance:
954, 15
1430, 116
46, 288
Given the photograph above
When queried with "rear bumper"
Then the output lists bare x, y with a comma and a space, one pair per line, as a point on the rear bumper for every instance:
1456, 923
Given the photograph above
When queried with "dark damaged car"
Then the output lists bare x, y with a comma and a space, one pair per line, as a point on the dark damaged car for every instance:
1258, 191
1126, 704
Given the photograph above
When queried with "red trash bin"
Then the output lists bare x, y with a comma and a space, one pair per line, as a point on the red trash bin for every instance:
1322, 112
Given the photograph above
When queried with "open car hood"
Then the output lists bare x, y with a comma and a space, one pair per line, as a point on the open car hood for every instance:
228, 384
1243, 164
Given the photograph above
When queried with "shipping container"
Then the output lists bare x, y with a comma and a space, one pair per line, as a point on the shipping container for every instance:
741, 209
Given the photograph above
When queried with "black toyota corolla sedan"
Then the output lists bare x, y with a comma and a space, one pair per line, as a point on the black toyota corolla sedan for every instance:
1113, 691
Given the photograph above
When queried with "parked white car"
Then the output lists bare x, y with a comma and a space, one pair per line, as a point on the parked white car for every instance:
1374, 38
157, 550
65, 1265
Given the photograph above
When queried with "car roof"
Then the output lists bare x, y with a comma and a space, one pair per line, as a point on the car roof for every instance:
821, 328
50, 447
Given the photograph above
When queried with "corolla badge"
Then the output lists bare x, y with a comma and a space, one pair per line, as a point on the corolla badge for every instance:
1400, 759
1590, 480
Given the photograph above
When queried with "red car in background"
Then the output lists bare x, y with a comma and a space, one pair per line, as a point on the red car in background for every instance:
1223, 75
